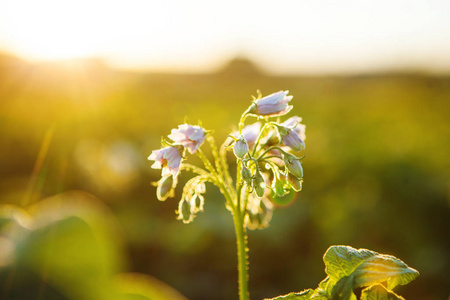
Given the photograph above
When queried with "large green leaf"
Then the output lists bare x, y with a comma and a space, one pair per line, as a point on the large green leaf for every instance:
383, 268
352, 268
305, 295
323, 292
379, 292
341, 261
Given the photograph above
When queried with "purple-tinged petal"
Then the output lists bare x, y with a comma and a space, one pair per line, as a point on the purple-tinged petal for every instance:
275, 104
168, 159
190, 136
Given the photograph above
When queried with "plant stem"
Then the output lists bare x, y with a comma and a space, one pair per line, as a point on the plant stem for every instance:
242, 253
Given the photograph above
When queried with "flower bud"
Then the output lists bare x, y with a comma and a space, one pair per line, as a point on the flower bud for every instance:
197, 202
292, 140
275, 104
295, 183
165, 188
294, 166
185, 211
240, 147
259, 185
246, 174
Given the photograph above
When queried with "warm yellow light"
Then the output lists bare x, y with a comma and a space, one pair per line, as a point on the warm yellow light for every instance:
306, 36
54, 29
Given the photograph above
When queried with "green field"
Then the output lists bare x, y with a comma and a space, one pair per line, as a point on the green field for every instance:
376, 172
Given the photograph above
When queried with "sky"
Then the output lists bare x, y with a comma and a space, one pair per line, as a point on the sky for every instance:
302, 36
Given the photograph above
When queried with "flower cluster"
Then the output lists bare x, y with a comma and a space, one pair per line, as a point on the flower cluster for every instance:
169, 158
268, 156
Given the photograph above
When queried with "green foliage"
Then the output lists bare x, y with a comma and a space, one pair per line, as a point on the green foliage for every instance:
349, 269
72, 242
305, 295
375, 148
379, 292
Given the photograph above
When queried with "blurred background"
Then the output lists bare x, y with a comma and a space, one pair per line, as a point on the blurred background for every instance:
87, 89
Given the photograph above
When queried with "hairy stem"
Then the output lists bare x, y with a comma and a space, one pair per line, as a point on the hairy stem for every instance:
242, 253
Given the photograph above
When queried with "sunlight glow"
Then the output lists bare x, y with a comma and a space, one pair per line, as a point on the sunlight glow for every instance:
287, 36
53, 29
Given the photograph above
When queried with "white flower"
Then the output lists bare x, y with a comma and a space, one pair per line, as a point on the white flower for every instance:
294, 124
275, 104
168, 159
190, 136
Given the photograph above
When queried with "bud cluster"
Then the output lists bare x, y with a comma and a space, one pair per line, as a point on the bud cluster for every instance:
268, 155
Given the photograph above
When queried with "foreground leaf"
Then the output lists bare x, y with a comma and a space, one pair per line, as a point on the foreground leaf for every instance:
341, 261
348, 269
323, 292
352, 268
383, 268
379, 292
304, 295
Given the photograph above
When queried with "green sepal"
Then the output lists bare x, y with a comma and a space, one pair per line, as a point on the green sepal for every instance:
166, 143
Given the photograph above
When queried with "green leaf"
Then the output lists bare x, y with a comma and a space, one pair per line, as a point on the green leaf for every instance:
379, 292
341, 261
352, 268
73, 242
383, 268
343, 289
323, 292
304, 295
145, 287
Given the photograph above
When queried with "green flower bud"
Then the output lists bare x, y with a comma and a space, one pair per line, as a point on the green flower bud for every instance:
165, 187
246, 174
185, 211
295, 183
240, 147
259, 185
294, 166
197, 202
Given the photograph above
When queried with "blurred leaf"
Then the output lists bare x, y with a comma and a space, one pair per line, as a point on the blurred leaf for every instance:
379, 292
146, 287
72, 240
73, 243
